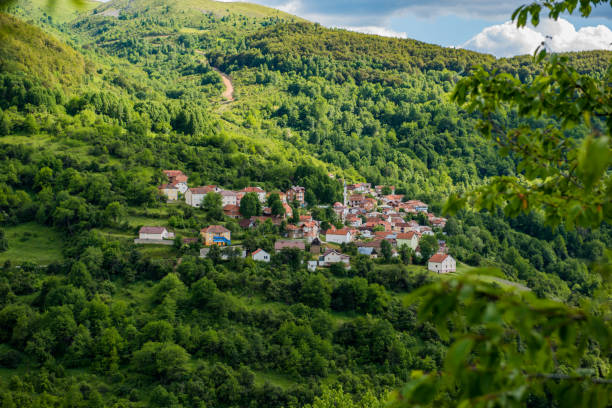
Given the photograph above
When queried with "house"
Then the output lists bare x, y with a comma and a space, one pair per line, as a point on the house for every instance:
177, 179
294, 232
156, 233
170, 191
216, 235
410, 238
194, 196
247, 223
369, 203
312, 266
353, 220
289, 244
368, 251
261, 194
296, 193
340, 210
419, 206
331, 256
261, 256
232, 211
442, 263
228, 197
341, 236
315, 246
356, 200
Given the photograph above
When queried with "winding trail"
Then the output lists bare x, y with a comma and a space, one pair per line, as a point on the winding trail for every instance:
228, 94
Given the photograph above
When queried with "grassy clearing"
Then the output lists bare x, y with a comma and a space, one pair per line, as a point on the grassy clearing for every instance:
282, 381
34, 243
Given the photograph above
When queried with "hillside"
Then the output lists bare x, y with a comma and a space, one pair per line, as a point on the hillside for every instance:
96, 104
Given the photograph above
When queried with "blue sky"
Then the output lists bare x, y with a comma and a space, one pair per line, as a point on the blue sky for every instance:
481, 25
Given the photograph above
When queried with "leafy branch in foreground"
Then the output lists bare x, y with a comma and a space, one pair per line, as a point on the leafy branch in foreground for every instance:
568, 179
510, 348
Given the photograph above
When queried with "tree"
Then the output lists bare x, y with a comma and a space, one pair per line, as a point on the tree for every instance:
166, 361
428, 245
275, 204
213, 205
316, 292
3, 241
114, 211
250, 205
386, 250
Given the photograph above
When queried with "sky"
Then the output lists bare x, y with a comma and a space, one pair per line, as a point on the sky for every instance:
479, 25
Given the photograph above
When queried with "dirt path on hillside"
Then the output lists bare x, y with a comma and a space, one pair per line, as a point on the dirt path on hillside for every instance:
228, 94
227, 81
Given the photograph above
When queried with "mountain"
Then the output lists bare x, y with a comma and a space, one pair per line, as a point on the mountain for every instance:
96, 103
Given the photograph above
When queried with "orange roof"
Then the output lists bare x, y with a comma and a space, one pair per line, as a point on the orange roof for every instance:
407, 235
215, 229
438, 258
342, 231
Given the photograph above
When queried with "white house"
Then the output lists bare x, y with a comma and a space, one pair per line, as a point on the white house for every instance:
339, 236
312, 266
228, 197
261, 256
194, 196
410, 238
442, 263
157, 233
332, 256
261, 194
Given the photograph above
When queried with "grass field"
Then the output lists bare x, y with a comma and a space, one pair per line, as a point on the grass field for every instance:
32, 242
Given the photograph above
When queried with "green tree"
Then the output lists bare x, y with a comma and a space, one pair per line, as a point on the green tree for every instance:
428, 245
275, 204
250, 205
3, 241
115, 212
386, 250
213, 205
316, 292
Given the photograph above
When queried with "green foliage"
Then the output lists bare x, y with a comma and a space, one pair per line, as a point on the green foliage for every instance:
250, 205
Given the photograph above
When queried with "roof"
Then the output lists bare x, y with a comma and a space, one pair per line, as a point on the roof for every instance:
181, 178
215, 229
365, 250
258, 251
329, 251
253, 190
338, 204
227, 193
407, 235
172, 173
438, 258
201, 190
282, 244
152, 230
342, 231
168, 187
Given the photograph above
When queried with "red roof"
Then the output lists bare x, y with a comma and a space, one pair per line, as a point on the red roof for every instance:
257, 251
173, 173
215, 229
438, 258
152, 230
342, 231
202, 190
407, 235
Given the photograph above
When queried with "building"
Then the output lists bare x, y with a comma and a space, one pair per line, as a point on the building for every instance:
442, 263
228, 197
170, 191
296, 193
261, 194
331, 256
289, 244
194, 196
410, 238
232, 211
261, 256
341, 236
216, 235
315, 246
177, 179
156, 233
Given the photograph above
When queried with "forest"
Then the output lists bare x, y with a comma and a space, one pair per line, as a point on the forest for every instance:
95, 103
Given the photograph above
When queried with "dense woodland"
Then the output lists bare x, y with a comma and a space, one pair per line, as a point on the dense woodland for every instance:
93, 105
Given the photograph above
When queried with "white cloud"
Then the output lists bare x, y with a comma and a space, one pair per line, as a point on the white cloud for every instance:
382, 31
506, 40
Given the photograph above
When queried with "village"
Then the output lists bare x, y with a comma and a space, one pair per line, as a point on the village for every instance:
375, 220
